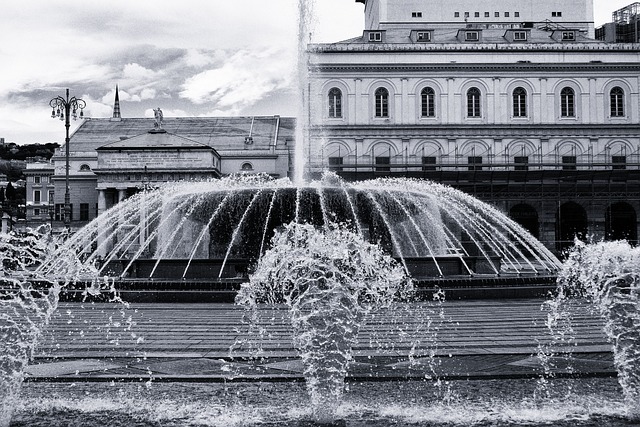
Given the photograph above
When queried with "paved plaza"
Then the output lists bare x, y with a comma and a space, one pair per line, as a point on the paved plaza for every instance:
213, 342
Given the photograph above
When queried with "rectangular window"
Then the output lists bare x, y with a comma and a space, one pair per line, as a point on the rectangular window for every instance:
375, 37
497, 14
416, 14
472, 36
423, 36
475, 163
569, 163
59, 209
335, 163
456, 14
36, 180
36, 212
520, 35
36, 196
516, 14
466, 14
619, 162
506, 14
487, 14
84, 211
476, 14
59, 212
382, 164
428, 163
568, 35
522, 163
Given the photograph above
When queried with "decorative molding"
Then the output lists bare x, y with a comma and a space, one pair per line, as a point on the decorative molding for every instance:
542, 131
473, 47
476, 67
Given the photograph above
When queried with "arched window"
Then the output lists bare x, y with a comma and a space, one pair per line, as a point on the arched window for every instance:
567, 102
85, 168
428, 102
519, 102
246, 166
335, 103
616, 97
473, 102
382, 102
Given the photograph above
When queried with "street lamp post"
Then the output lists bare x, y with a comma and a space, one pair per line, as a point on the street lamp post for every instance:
64, 109
51, 211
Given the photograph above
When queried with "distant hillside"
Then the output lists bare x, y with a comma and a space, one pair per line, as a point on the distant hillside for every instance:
13, 157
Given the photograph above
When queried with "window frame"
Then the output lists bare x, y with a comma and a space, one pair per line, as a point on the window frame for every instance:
427, 102
381, 103
382, 163
616, 102
474, 103
335, 103
519, 101
567, 102
471, 36
335, 163
375, 37
423, 36
474, 163
84, 211
520, 36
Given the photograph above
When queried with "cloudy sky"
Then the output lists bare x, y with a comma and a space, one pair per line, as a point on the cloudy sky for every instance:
189, 57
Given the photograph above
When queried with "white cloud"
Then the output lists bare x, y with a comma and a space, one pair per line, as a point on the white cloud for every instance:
137, 73
245, 78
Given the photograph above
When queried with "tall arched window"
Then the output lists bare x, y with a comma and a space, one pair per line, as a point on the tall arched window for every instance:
382, 102
567, 102
519, 102
473, 102
428, 99
335, 103
616, 97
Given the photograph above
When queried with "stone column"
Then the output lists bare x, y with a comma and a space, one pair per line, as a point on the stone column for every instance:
102, 201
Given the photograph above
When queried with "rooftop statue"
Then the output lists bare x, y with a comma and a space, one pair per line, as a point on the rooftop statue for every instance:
158, 115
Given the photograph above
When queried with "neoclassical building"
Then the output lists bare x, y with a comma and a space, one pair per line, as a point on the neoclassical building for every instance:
515, 103
114, 158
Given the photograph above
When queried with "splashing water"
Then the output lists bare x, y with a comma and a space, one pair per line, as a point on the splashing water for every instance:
433, 230
25, 308
329, 281
28, 299
609, 274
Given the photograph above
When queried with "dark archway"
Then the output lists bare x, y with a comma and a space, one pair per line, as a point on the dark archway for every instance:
571, 222
621, 222
527, 216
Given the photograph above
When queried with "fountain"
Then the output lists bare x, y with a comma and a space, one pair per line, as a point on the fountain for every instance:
329, 281
220, 229
332, 252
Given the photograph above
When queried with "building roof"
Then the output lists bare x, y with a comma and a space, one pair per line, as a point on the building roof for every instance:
449, 37
220, 133
154, 140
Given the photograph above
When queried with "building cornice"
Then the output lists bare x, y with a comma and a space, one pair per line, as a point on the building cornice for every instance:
350, 48
478, 131
517, 67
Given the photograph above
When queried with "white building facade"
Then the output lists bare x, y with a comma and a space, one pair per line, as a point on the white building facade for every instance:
526, 111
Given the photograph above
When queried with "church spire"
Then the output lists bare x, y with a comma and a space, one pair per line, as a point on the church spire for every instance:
116, 106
